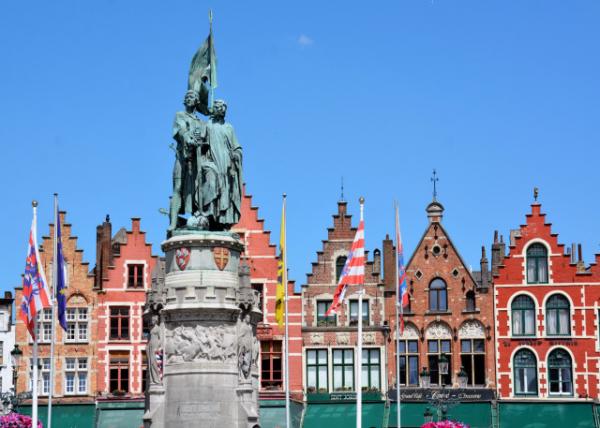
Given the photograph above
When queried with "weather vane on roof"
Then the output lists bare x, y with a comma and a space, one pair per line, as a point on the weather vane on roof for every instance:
434, 180
342, 190
536, 193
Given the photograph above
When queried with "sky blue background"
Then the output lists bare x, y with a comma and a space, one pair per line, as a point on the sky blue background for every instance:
499, 96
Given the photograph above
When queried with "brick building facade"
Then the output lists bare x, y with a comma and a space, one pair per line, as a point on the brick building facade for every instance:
329, 343
450, 312
262, 257
124, 264
75, 350
547, 312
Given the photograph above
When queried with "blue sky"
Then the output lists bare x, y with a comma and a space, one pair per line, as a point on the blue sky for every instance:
499, 96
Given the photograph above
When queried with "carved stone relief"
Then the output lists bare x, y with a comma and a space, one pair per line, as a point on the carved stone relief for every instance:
410, 332
185, 343
438, 330
343, 338
369, 338
471, 329
317, 338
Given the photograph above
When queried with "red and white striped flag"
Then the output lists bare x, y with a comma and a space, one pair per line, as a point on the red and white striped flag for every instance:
354, 269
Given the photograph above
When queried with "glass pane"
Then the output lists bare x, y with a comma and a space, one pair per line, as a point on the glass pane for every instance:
443, 300
529, 322
517, 326
479, 369
337, 356
365, 376
466, 362
413, 346
375, 377
479, 345
531, 380
445, 346
413, 370
322, 354
374, 356
311, 377
403, 370
349, 376
531, 270
551, 321
311, 357
563, 321
432, 346
337, 377
322, 377
348, 356
402, 346
543, 270
465, 346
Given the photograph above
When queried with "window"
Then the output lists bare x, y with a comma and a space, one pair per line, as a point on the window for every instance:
316, 369
560, 377
472, 358
525, 366
3, 321
409, 353
322, 319
537, 264
77, 325
523, 316
76, 376
438, 297
558, 315
119, 323
435, 348
44, 326
343, 369
43, 375
144, 371
340, 262
145, 329
271, 364
119, 372
371, 370
354, 312
135, 276
470, 301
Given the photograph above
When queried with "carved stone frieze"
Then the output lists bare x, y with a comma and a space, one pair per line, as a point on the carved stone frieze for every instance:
186, 343
369, 338
343, 338
471, 329
438, 330
317, 338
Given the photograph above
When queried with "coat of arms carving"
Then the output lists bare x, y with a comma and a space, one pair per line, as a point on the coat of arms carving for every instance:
182, 257
221, 256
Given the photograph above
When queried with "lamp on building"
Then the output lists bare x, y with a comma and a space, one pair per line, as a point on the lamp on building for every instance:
462, 377
16, 355
428, 415
424, 378
443, 365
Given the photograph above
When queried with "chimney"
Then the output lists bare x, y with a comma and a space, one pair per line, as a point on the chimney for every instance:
389, 264
498, 253
573, 253
376, 261
103, 252
580, 263
485, 282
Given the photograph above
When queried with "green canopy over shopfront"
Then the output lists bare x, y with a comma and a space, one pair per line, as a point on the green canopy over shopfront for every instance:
66, 415
272, 413
546, 415
477, 415
124, 414
343, 415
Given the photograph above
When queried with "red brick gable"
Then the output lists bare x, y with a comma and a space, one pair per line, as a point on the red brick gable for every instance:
561, 270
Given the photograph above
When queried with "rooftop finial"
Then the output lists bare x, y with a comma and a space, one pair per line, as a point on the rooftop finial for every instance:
342, 191
434, 180
536, 193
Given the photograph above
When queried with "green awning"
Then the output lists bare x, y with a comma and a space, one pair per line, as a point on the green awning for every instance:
343, 415
120, 414
477, 415
546, 415
65, 415
272, 413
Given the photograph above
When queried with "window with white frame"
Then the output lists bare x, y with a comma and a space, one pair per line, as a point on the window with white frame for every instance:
558, 316
44, 326
371, 369
537, 264
77, 325
525, 373
560, 373
43, 375
76, 376
354, 312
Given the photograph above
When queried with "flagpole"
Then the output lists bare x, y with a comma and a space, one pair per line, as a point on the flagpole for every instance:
53, 300
285, 302
34, 391
359, 342
398, 306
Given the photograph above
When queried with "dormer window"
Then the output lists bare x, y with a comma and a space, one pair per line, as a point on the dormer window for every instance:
537, 264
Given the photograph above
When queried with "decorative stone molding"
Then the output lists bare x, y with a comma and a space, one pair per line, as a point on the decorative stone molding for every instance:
343, 338
410, 332
471, 329
369, 338
317, 338
438, 330
189, 342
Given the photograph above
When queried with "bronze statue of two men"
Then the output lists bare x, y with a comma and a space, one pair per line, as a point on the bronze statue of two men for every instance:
207, 176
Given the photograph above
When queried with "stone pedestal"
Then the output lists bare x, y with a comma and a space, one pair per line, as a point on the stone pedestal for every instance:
210, 372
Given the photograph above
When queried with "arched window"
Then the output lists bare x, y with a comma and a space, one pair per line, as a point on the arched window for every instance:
470, 301
560, 373
523, 316
438, 296
339, 267
557, 315
537, 264
525, 366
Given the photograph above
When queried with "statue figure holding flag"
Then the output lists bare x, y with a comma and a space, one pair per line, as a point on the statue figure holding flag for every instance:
207, 176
